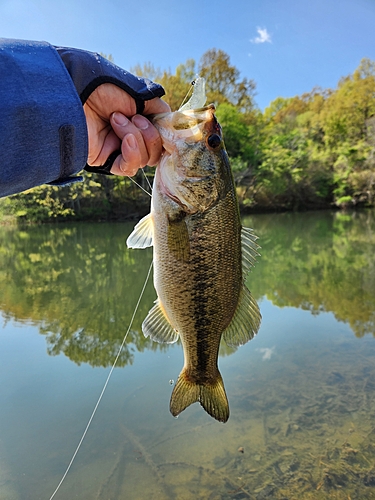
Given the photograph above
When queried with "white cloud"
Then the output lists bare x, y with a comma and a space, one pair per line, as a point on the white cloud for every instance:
263, 37
267, 352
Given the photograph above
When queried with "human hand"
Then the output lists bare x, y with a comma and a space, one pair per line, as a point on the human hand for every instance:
113, 125
120, 139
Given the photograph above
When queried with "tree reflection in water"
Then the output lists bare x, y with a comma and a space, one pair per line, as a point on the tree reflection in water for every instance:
320, 261
80, 284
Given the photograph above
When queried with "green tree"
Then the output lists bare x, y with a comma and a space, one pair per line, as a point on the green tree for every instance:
293, 174
176, 86
346, 120
223, 81
236, 131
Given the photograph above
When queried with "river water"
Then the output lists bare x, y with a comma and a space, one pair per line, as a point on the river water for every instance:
301, 394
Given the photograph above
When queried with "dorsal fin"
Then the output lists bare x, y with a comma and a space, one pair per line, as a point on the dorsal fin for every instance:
245, 322
249, 249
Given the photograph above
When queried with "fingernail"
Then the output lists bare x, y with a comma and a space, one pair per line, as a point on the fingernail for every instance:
120, 119
140, 122
131, 142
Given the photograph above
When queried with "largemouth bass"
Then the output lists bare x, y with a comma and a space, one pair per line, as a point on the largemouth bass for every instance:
201, 257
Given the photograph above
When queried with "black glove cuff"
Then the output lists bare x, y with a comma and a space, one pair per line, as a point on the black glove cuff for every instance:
106, 168
88, 70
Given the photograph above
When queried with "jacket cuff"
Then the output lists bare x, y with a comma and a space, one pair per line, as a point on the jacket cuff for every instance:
42, 122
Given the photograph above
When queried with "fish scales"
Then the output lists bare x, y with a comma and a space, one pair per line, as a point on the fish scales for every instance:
201, 257
203, 291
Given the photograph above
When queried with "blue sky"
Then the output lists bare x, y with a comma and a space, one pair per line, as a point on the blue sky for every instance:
286, 46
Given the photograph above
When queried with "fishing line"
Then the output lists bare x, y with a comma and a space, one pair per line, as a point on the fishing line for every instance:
148, 182
140, 187
104, 387
187, 93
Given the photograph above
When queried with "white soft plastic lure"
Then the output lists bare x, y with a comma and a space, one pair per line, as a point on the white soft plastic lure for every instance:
198, 97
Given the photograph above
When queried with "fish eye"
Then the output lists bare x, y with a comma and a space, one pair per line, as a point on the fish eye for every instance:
214, 141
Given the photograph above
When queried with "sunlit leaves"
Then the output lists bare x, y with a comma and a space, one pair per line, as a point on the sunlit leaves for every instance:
223, 81
318, 149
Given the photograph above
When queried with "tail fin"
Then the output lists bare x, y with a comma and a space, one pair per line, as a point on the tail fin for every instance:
211, 396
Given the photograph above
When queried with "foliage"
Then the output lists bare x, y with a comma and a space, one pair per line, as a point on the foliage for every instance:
222, 81
318, 148
310, 151
98, 197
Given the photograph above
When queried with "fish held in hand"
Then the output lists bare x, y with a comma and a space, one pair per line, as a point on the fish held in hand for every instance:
201, 256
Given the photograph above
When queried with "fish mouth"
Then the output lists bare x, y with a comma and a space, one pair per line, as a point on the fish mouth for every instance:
158, 116
184, 126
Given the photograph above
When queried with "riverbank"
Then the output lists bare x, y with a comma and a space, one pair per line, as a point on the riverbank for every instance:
48, 204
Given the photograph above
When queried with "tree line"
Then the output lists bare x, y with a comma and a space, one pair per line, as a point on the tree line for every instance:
314, 150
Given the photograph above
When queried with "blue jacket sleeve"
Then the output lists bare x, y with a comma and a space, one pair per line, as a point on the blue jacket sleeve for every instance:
43, 135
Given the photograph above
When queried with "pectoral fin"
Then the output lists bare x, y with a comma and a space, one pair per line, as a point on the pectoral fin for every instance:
246, 320
142, 234
157, 327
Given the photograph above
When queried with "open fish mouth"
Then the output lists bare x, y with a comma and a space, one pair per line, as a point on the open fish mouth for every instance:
187, 125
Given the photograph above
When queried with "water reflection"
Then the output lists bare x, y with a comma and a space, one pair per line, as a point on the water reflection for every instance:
80, 284
319, 262
301, 393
